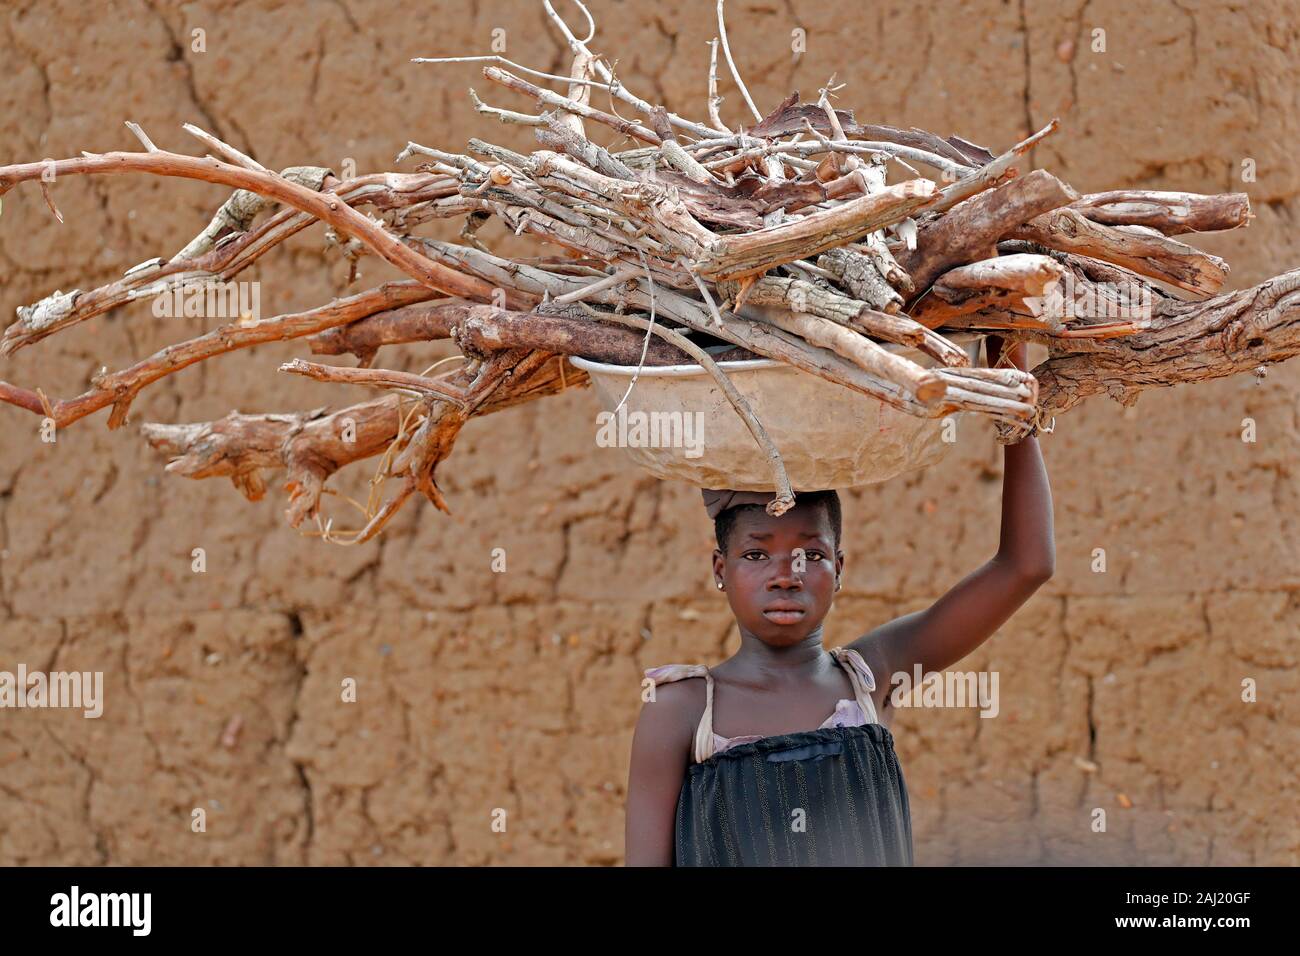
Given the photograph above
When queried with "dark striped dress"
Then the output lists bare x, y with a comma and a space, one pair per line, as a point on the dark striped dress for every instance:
834, 796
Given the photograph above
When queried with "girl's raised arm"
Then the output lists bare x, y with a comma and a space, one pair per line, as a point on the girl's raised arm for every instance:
966, 616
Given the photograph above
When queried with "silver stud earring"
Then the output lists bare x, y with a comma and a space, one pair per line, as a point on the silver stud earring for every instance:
719, 585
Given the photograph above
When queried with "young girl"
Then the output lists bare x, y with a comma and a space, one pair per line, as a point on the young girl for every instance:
740, 764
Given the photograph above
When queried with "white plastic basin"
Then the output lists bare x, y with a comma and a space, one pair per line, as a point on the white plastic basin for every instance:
677, 424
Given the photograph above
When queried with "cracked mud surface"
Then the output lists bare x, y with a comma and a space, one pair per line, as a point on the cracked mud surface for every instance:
518, 691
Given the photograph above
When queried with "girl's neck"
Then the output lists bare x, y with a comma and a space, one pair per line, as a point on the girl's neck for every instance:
799, 661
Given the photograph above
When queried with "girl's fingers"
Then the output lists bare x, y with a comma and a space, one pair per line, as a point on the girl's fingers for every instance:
993, 349
1015, 352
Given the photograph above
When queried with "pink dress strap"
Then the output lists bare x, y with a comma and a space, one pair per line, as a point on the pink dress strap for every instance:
667, 673
861, 677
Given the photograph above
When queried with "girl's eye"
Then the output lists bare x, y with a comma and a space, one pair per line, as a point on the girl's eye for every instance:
815, 555
753, 554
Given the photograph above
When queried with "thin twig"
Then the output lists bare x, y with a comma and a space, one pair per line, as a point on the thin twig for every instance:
735, 73
645, 345
496, 58
617, 278
225, 149
506, 116
377, 378
699, 284
141, 136
715, 100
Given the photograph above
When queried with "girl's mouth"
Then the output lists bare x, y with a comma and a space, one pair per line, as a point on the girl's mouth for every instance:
784, 615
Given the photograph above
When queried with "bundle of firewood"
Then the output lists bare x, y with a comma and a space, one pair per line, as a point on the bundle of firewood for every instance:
807, 237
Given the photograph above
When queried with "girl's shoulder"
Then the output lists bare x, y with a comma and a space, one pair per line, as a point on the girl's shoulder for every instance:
673, 686
673, 713
668, 673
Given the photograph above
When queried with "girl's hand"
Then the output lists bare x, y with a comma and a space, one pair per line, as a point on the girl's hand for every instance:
1001, 354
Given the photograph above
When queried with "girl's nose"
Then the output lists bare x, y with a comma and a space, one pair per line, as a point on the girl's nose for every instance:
783, 575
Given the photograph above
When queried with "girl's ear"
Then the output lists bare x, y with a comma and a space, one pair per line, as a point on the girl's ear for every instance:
719, 565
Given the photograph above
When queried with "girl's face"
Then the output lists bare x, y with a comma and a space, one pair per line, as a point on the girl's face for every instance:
778, 593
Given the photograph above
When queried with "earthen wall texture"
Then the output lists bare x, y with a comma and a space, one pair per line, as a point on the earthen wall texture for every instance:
518, 691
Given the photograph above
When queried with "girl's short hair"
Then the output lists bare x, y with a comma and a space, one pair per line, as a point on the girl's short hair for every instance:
829, 500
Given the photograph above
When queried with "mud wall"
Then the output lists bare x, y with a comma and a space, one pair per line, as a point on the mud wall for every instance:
479, 691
